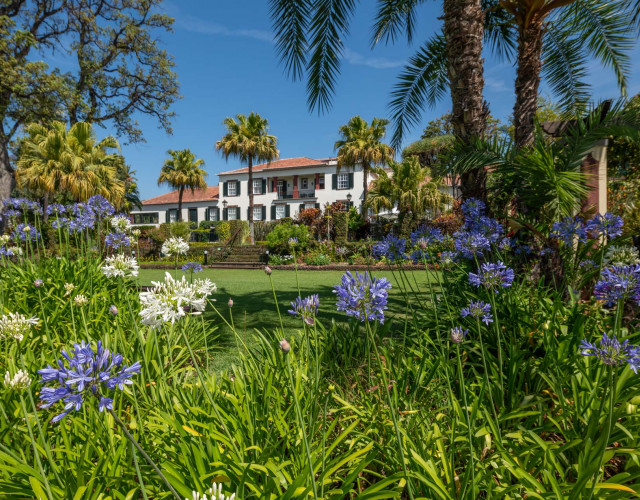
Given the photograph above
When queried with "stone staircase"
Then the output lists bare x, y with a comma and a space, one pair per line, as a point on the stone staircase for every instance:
243, 257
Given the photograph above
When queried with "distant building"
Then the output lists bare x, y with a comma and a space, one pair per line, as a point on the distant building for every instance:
199, 205
281, 188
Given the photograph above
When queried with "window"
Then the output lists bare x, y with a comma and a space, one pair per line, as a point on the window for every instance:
282, 188
304, 183
213, 213
257, 212
257, 186
193, 215
320, 181
343, 181
173, 215
147, 218
281, 210
232, 213
232, 188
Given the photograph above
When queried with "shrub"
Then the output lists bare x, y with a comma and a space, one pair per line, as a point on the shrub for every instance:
319, 259
278, 239
240, 226
224, 231
341, 226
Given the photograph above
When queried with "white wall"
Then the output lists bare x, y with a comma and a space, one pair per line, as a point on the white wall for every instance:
162, 210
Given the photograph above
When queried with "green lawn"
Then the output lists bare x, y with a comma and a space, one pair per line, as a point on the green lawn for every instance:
254, 304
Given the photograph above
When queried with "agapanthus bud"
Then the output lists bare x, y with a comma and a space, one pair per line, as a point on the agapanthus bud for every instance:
113, 310
230, 303
285, 347
37, 283
267, 270
458, 335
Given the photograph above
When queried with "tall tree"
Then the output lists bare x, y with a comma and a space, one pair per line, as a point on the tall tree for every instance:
182, 171
409, 187
361, 143
120, 69
248, 138
310, 40
53, 159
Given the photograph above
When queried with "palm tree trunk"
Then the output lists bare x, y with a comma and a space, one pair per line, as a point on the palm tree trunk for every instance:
180, 204
527, 82
463, 30
45, 205
365, 188
251, 228
7, 178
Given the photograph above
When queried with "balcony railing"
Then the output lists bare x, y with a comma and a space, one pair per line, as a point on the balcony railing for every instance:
301, 194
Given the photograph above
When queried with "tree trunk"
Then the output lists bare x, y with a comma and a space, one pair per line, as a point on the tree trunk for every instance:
45, 206
251, 228
463, 29
365, 189
180, 204
527, 82
7, 177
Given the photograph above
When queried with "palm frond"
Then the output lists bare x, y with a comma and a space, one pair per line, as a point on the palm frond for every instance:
392, 18
423, 82
499, 32
565, 68
290, 20
606, 33
328, 27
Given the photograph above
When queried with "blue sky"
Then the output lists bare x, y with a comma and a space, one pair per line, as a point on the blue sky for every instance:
226, 64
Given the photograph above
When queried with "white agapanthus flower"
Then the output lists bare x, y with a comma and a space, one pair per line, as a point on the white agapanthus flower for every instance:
622, 256
213, 493
120, 266
121, 224
69, 287
166, 302
175, 246
15, 250
16, 325
4, 239
18, 382
136, 233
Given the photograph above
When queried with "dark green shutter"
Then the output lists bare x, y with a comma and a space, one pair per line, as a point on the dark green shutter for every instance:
351, 180
264, 212
317, 205
287, 210
166, 216
206, 214
301, 207
264, 186
248, 212
237, 188
217, 209
334, 181
273, 212
224, 214
225, 191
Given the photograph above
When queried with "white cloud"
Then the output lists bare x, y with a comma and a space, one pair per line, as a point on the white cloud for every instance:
358, 59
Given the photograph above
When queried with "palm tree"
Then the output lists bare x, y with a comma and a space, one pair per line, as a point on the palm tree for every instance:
408, 186
361, 143
182, 171
248, 138
451, 60
53, 159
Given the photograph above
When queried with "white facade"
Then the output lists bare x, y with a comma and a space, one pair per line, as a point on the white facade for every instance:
285, 187
197, 206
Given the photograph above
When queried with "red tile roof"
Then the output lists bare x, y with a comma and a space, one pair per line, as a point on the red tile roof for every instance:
207, 194
300, 162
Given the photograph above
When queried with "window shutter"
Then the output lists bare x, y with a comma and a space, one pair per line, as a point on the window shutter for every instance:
224, 214
264, 186
217, 209
301, 207
317, 205
351, 180
273, 212
225, 191
167, 216
264, 212
334, 181
287, 210
237, 188
206, 214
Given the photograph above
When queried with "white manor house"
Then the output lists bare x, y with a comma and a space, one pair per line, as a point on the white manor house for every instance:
281, 188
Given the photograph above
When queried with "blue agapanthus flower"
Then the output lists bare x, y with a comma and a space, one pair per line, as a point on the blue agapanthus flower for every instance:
506, 244
100, 207
82, 373
470, 244
306, 308
447, 257
478, 309
618, 283
569, 229
193, 267
523, 250
612, 352
117, 240
363, 296
391, 247
12, 212
426, 235
608, 225
458, 334
6, 252
420, 255
472, 208
56, 209
492, 276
